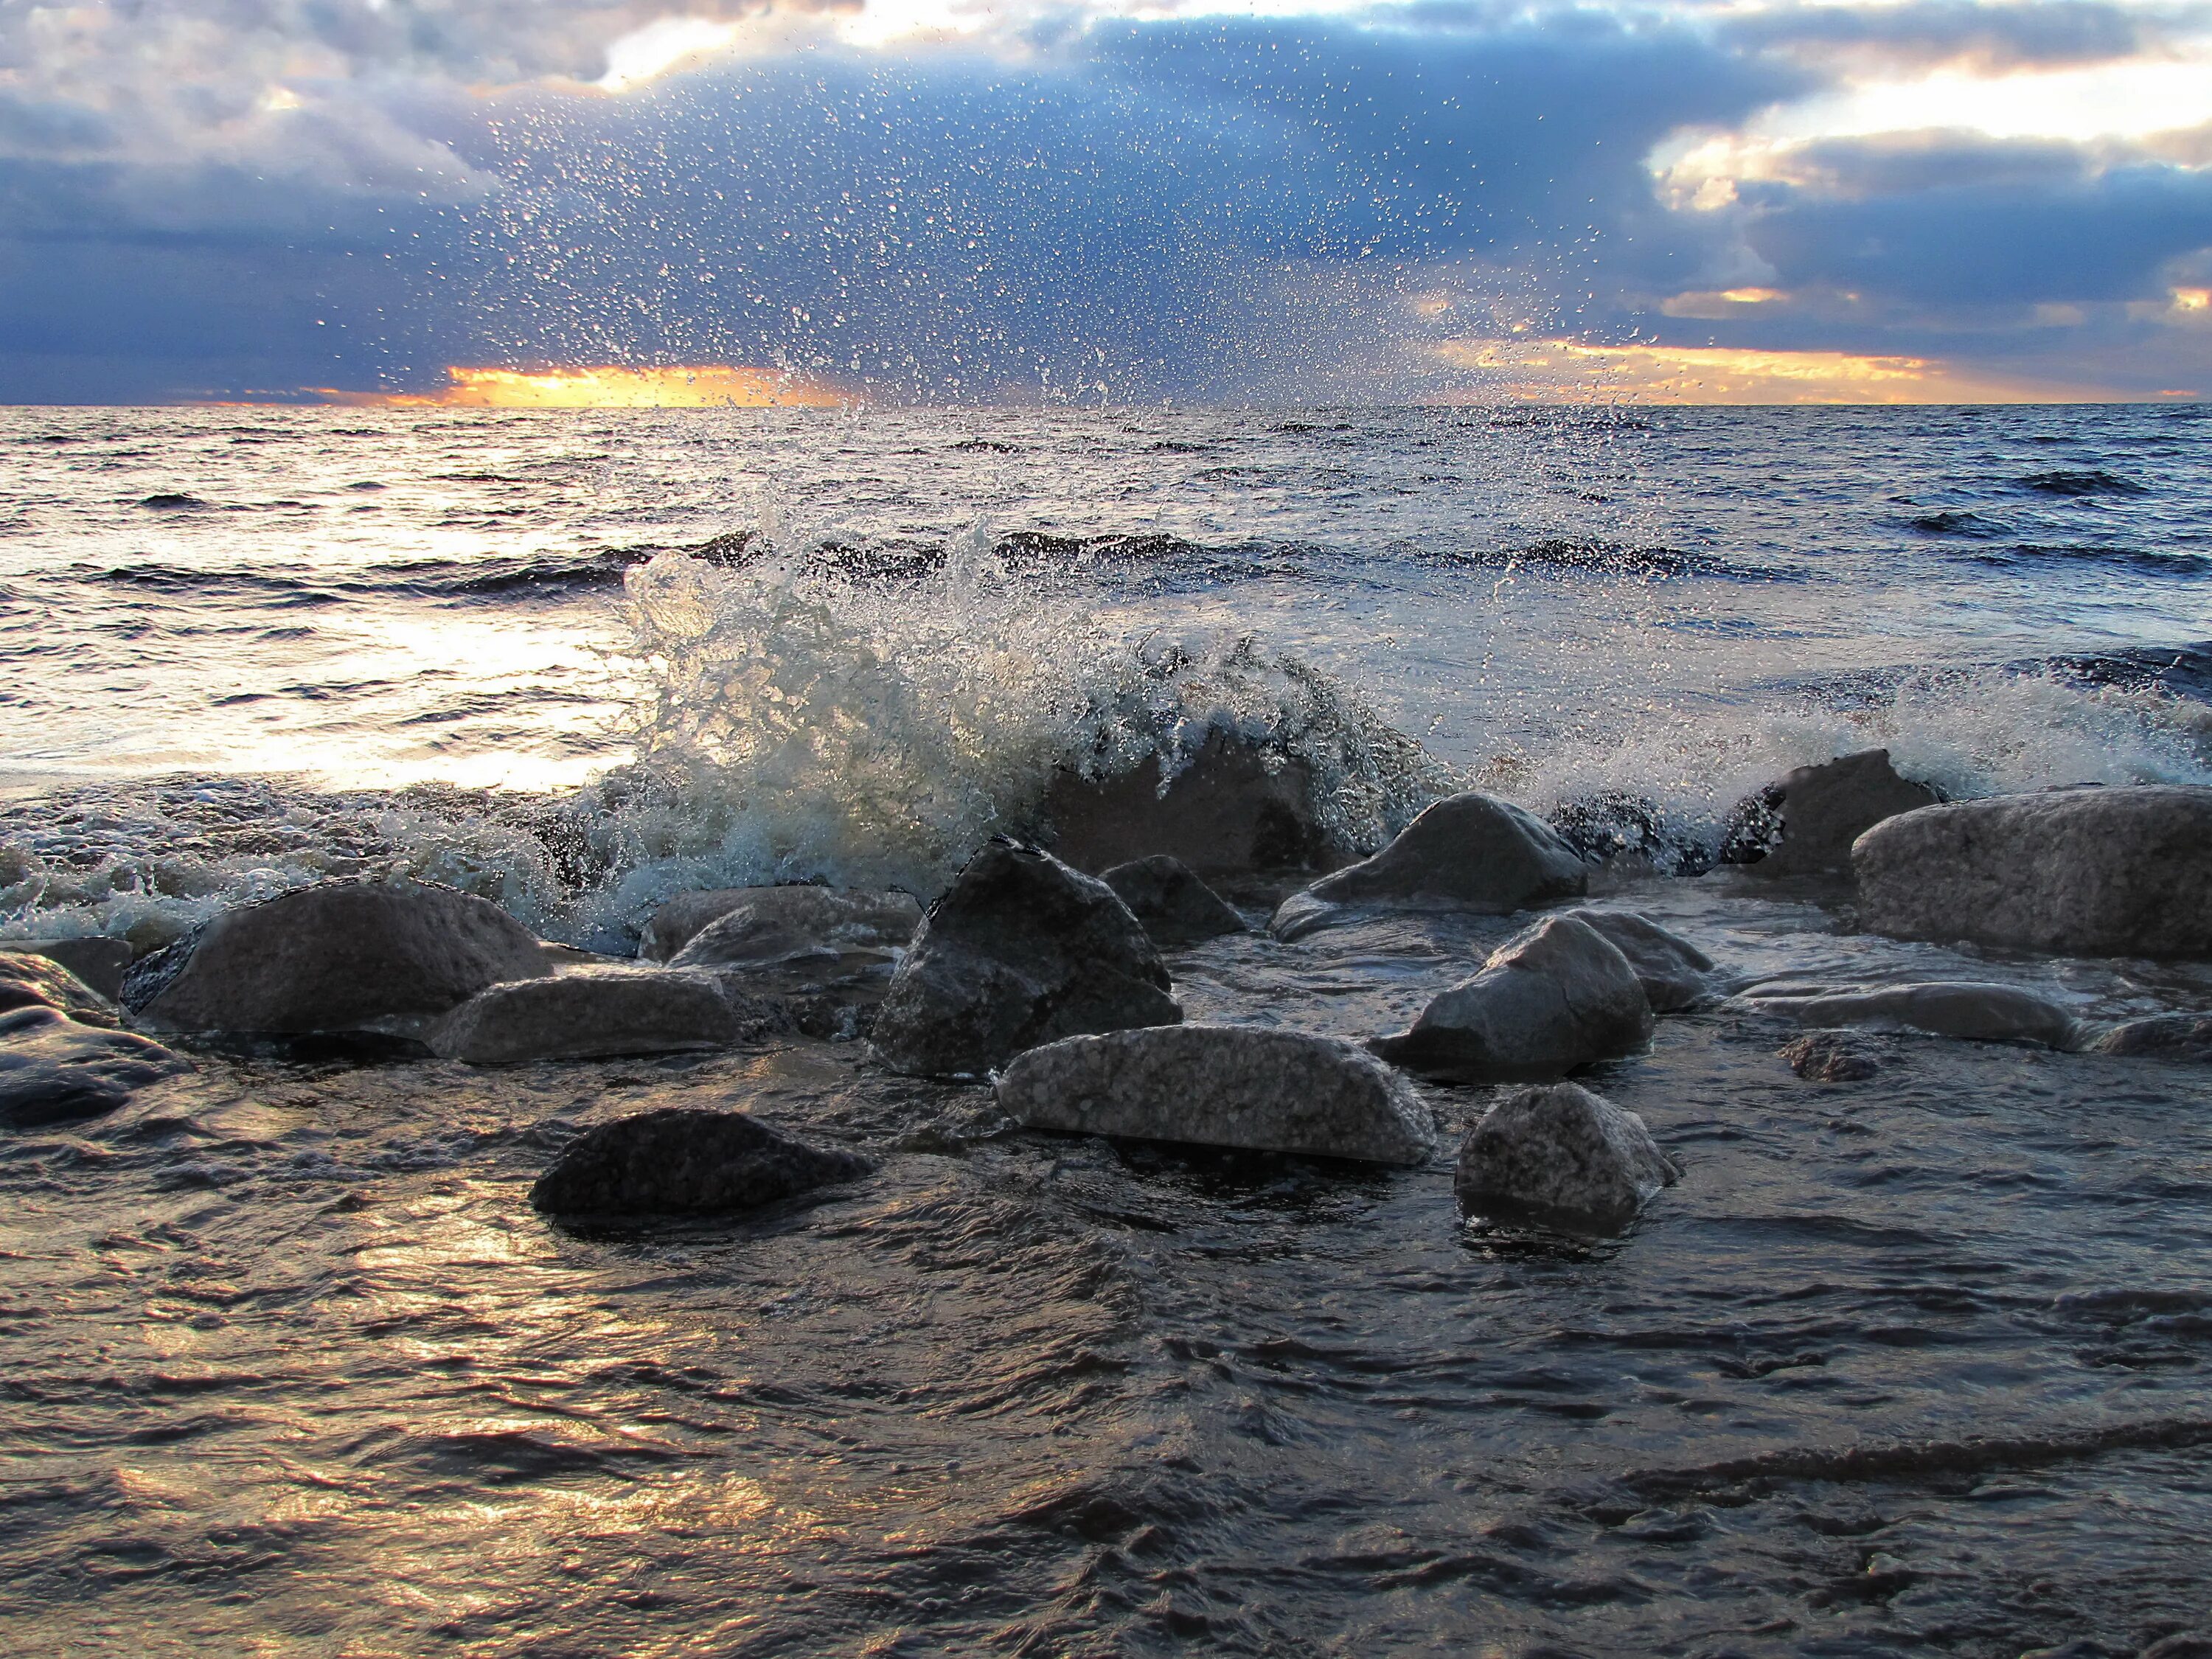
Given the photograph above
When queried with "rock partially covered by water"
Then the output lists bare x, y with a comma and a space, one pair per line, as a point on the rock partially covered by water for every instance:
1468, 852
1175, 907
675, 1161
35, 981
53, 1070
597, 1013
338, 957
99, 961
1020, 950
2161, 1037
1553, 999
1818, 812
1832, 1057
1564, 1157
768, 927
1223, 1085
1674, 973
2089, 872
1968, 1009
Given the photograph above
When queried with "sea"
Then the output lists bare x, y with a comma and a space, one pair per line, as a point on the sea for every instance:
1918, 1365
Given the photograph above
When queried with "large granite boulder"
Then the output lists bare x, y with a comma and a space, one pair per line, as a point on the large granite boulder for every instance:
1968, 1009
675, 1161
1674, 973
53, 1070
2087, 871
99, 961
1564, 1157
768, 927
1175, 907
37, 981
341, 956
1806, 823
1020, 950
1551, 999
2158, 1037
599, 1012
1468, 852
1223, 1085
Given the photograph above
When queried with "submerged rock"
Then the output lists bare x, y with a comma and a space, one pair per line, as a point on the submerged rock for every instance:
1968, 1009
1562, 1156
1832, 1057
675, 1161
1223, 1085
1020, 950
53, 1070
1175, 906
35, 982
1555, 998
595, 1013
2162, 1037
760, 926
1468, 852
2087, 871
98, 960
1674, 973
1818, 812
339, 956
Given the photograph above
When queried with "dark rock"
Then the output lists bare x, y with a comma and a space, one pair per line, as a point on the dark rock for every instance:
1555, 998
600, 1013
1223, 1085
335, 957
1832, 1057
1175, 906
1674, 973
685, 1162
37, 981
52, 1070
1020, 950
2161, 1037
1812, 817
1614, 825
2089, 872
759, 926
1562, 1156
98, 960
1967, 1009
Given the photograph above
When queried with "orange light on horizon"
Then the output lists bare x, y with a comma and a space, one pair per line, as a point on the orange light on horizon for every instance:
605, 386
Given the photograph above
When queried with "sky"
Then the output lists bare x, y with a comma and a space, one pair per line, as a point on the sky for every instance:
534, 202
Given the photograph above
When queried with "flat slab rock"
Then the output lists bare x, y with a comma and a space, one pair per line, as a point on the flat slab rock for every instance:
600, 1012
37, 981
53, 1070
747, 926
1223, 1085
675, 1161
1563, 1156
1175, 906
1967, 1009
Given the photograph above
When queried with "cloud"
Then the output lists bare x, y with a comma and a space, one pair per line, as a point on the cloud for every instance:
1987, 37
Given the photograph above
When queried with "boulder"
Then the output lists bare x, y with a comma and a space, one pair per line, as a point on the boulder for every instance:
1469, 852
775, 925
36, 982
1175, 906
340, 956
594, 1013
1562, 1156
1968, 1009
1223, 1085
675, 1161
2161, 1037
98, 960
1674, 973
2088, 871
1555, 998
53, 1070
1818, 812
1020, 950
1832, 1057
1226, 813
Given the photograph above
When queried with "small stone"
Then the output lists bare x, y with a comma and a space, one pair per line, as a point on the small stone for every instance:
675, 1161
1832, 1057
1562, 1156
1175, 906
53, 1070
596, 1013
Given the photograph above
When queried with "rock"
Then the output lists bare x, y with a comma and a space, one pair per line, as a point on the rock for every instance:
2162, 1037
1226, 813
1674, 972
2090, 872
1563, 1156
685, 1162
1175, 906
594, 1013
1555, 998
1223, 1085
339, 956
37, 981
53, 1070
1020, 950
817, 928
1832, 1057
1469, 852
1818, 812
1968, 1009
99, 961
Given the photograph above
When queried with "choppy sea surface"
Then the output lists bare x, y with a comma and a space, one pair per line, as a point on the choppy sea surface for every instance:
1917, 1365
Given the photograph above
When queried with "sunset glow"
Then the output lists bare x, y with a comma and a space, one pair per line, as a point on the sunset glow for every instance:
710, 386
1723, 374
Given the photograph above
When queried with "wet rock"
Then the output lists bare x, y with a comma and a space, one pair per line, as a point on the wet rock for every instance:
1468, 852
2086, 871
1226, 813
600, 1013
2161, 1037
1809, 821
1832, 1057
675, 1161
1674, 974
1223, 1085
1175, 906
1555, 998
35, 982
1967, 1009
339, 956
53, 1070
1020, 950
770, 927
1562, 1156
99, 961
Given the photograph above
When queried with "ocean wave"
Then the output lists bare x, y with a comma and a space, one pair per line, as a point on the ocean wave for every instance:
2092, 481
1956, 522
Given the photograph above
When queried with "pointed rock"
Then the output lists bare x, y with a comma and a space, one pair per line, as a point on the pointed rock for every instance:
1562, 1156
1175, 907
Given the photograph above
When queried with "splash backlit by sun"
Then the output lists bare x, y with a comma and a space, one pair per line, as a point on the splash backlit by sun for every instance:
691, 386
